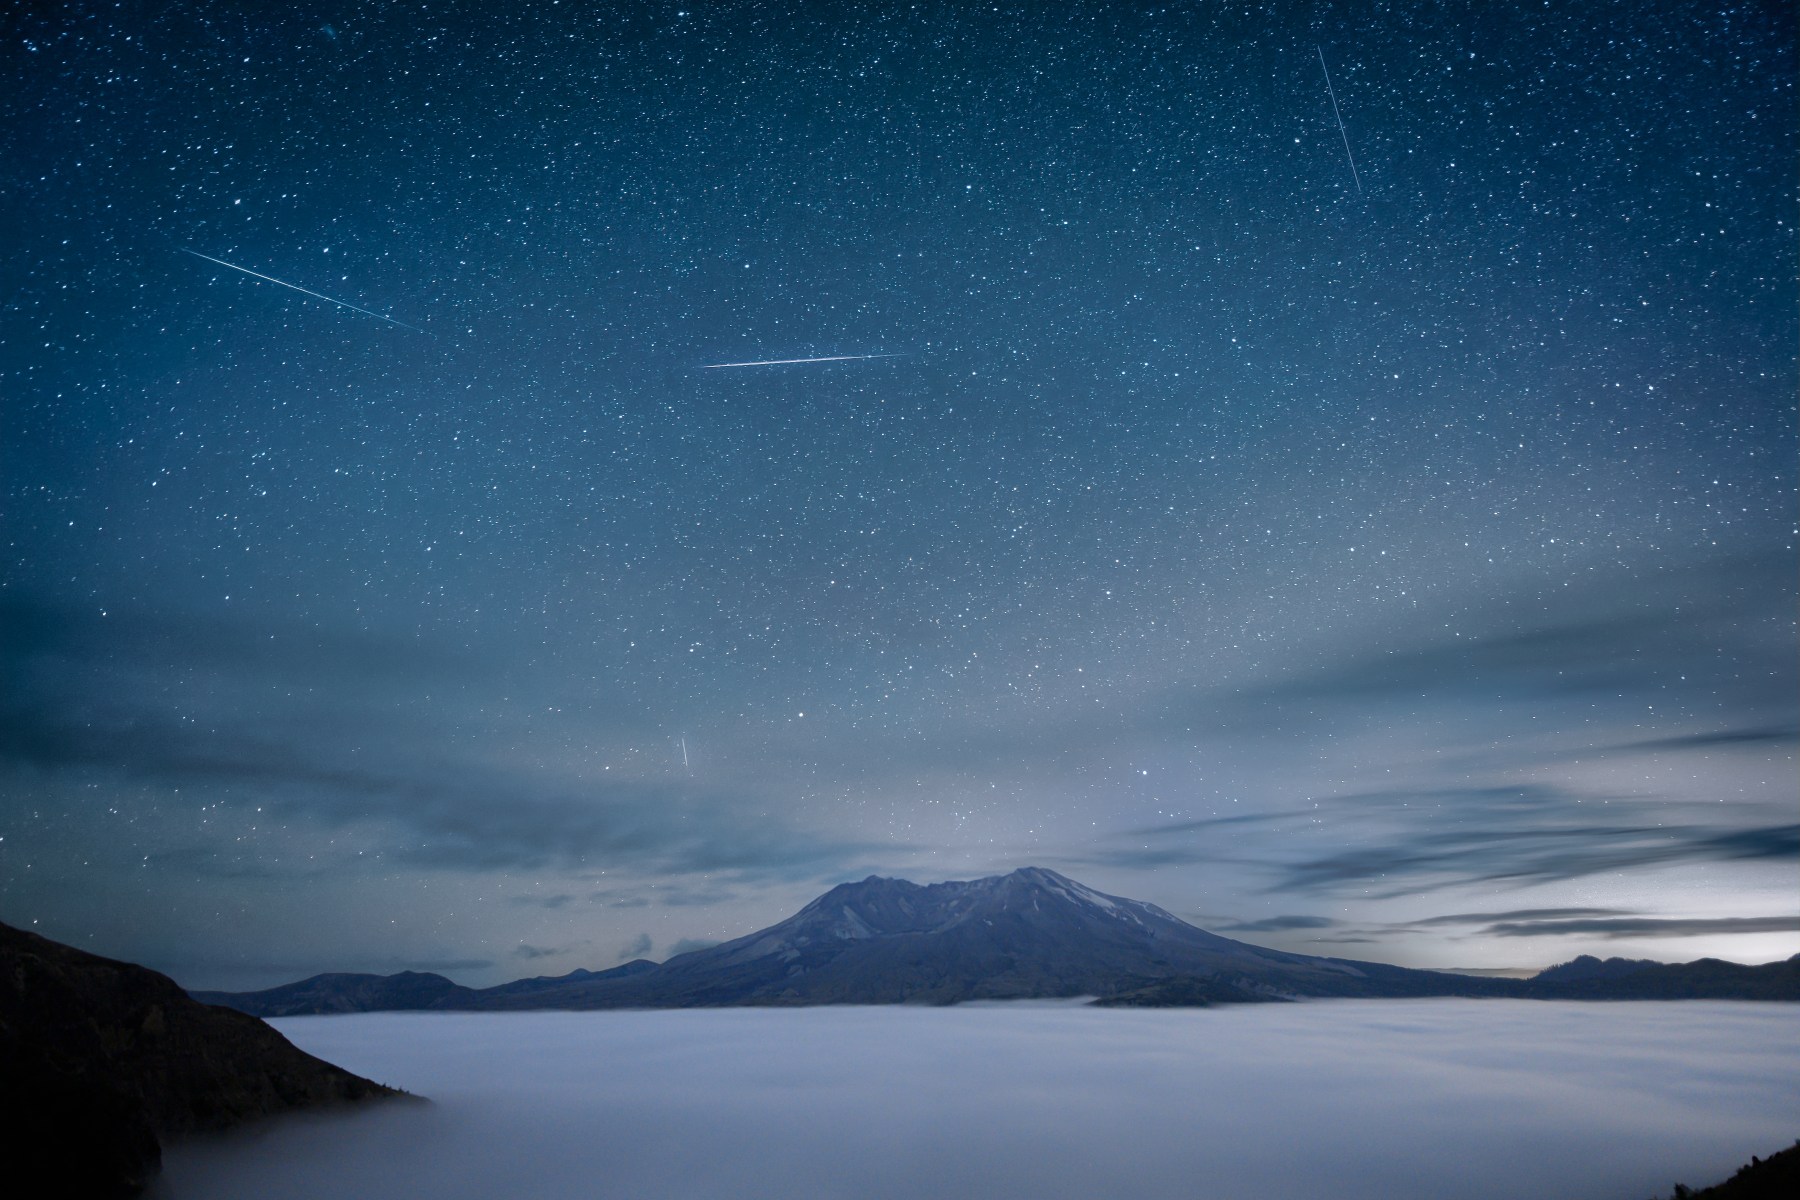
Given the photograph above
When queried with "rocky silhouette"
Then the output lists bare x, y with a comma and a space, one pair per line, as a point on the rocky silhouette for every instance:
100, 1061
1776, 1177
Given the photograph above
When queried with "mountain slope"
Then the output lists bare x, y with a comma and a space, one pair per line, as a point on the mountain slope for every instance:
408, 991
1031, 934
1776, 1177
341, 993
1585, 967
544, 983
101, 1059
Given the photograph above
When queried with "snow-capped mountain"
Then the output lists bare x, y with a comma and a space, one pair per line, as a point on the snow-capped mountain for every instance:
1032, 933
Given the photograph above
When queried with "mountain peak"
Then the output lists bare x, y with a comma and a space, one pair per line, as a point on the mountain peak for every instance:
1041, 875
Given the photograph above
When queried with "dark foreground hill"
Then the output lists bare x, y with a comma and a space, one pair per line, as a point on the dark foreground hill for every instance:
99, 1060
1776, 1177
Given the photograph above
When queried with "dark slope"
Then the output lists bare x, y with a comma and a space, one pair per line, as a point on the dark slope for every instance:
1585, 967
1703, 979
409, 991
100, 1059
1776, 1177
1030, 934
341, 993
544, 983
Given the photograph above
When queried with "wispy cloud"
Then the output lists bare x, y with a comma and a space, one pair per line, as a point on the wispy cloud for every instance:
1419, 840
1275, 924
1756, 735
1646, 927
1515, 914
689, 945
156, 701
1432, 860
553, 901
1609, 649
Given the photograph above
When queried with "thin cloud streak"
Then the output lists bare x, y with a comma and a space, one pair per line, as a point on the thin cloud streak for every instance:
1429, 839
1646, 927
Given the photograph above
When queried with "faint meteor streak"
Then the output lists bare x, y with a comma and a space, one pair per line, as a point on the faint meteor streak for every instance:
782, 362
303, 291
1340, 120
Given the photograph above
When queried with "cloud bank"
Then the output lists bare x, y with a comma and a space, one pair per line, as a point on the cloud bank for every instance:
1355, 1100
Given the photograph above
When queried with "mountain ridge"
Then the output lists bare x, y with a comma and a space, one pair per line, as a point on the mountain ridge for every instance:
406, 991
1029, 934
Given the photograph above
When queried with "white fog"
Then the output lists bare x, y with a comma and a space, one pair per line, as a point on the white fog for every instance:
1347, 1099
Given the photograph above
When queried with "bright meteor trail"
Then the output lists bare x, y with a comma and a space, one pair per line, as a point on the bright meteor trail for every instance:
1340, 120
782, 362
303, 291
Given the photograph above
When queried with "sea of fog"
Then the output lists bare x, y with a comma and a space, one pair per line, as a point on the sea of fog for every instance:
1339, 1099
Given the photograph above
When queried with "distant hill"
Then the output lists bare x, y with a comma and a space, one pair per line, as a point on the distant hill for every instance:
1588, 978
1585, 967
409, 991
549, 983
101, 1060
544, 983
342, 993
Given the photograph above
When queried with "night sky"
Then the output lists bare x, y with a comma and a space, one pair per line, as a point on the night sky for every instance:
1375, 541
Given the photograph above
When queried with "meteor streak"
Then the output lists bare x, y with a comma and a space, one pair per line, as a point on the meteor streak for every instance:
782, 362
303, 291
1340, 120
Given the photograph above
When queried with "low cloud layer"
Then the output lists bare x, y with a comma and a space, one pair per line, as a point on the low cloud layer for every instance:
1355, 1100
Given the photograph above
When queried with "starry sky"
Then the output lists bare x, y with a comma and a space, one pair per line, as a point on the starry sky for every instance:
1374, 540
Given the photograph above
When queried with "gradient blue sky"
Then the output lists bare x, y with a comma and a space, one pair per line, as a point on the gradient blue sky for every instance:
1404, 572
